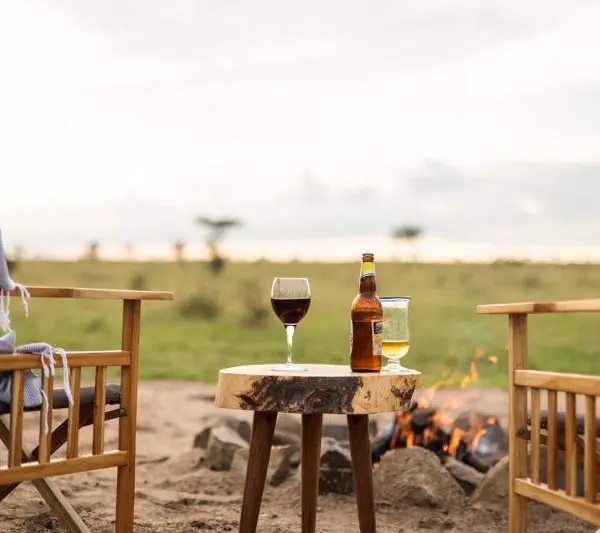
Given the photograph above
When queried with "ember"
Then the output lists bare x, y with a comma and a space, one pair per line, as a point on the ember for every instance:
475, 439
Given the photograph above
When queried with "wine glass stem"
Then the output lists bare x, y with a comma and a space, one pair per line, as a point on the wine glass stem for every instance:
290, 340
394, 365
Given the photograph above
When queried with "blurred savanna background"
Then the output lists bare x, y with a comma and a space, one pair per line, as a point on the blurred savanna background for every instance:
207, 147
225, 319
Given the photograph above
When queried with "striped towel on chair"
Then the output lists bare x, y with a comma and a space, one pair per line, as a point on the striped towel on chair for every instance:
33, 394
7, 285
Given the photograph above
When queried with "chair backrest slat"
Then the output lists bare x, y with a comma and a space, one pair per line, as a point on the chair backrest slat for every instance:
535, 435
571, 444
46, 421
99, 405
552, 433
16, 418
590, 450
74, 411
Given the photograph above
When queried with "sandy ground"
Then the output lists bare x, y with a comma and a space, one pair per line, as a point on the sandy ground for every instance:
176, 494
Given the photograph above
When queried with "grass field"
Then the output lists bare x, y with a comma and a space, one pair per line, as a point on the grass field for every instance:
445, 330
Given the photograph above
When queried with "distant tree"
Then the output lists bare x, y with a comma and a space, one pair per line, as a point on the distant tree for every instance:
179, 251
129, 251
19, 253
92, 251
14, 261
410, 235
216, 233
12, 265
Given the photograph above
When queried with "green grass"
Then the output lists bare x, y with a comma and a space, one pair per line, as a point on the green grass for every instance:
443, 318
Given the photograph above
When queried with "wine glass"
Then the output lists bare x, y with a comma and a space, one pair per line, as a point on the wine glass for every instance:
290, 299
395, 331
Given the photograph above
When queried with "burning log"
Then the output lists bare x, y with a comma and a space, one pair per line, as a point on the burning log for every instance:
561, 423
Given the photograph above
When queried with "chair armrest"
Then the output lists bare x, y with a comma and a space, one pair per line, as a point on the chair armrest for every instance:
95, 294
528, 308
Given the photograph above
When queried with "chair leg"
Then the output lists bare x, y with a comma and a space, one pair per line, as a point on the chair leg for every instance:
263, 428
362, 468
311, 453
48, 490
63, 509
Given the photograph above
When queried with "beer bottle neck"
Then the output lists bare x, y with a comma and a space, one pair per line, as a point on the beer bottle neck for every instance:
367, 281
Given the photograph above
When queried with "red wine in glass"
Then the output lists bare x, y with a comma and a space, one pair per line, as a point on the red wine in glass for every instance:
290, 310
290, 299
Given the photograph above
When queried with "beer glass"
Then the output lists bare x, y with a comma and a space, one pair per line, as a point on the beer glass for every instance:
395, 331
290, 300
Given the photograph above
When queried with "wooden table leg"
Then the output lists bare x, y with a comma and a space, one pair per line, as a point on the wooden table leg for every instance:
312, 425
362, 468
263, 428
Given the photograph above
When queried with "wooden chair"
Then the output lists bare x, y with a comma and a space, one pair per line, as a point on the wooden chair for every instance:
579, 441
89, 407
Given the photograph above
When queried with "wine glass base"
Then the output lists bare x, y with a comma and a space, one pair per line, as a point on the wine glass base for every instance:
289, 368
394, 368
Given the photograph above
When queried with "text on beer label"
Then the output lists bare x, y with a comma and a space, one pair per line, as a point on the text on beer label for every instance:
377, 326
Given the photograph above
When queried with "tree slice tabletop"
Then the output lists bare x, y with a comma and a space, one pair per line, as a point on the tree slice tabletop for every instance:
332, 389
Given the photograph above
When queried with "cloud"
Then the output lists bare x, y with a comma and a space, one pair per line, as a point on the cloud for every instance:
463, 117
435, 177
353, 35
574, 107
531, 206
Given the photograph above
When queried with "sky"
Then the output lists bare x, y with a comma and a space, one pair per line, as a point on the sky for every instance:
122, 120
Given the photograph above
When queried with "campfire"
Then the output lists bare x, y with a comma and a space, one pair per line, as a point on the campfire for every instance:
448, 430
474, 439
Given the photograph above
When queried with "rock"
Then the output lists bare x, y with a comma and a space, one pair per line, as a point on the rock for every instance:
186, 462
494, 487
222, 445
336, 427
281, 463
295, 457
415, 476
468, 478
335, 472
288, 430
241, 426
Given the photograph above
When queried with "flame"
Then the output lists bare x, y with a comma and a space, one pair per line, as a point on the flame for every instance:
455, 440
437, 434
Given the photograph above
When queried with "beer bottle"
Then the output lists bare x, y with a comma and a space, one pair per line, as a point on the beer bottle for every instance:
367, 321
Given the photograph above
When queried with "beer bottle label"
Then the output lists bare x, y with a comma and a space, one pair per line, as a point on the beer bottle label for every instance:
377, 338
367, 269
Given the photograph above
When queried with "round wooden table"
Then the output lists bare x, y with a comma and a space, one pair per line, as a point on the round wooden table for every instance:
321, 389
